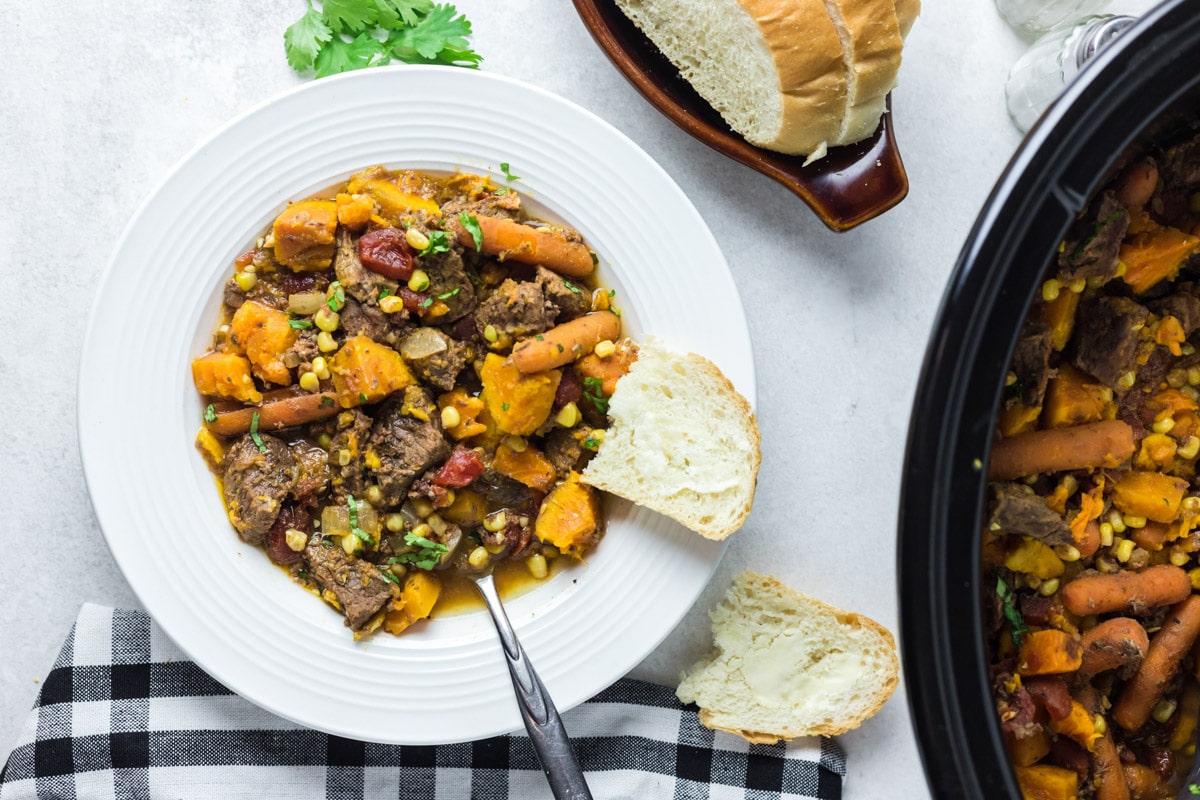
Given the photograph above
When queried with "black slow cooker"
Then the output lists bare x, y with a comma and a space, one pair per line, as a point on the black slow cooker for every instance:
1142, 87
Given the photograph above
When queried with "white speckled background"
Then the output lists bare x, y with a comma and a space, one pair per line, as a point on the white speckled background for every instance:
99, 99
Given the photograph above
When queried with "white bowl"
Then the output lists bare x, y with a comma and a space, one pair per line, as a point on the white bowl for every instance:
223, 602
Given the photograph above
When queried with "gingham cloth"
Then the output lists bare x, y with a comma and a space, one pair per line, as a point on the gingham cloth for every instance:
124, 715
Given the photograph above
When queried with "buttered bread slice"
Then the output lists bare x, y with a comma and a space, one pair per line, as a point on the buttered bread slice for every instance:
788, 665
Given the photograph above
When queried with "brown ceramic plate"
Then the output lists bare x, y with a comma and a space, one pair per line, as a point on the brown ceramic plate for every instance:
846, 188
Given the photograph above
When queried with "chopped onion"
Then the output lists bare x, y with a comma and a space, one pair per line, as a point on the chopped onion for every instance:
422, 343
306, 302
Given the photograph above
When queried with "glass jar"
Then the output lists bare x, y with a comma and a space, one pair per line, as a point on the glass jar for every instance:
1032, 17
1053, 61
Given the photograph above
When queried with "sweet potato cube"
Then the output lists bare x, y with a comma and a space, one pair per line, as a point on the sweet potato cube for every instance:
1073, 398
417, 599
1034, 558
264, 334
1152, 495
395, 204
611, 369
518, 403
1018, 418
1049, 652
569, 517
365, 371
1027, 750
354, 210
1155, 255
468, 408
1044, 782
1059, 316
529, 467
1077, 725
304, 235
225, 375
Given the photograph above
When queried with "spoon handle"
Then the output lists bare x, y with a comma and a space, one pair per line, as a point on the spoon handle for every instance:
545, 727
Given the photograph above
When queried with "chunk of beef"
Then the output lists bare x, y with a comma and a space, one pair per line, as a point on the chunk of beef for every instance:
438, 358
1106, 337
360, 589
514, 311
303, 350
366, 319
1031, 362
312, 472
359, 282
1018, 511
564, 448
1183, 305
567, 300
1038, 610
1180, 165
256, 484
407, 437
290, 518
1094, 242
500, 491
506, 205
346, 450
1157, 365
449, 282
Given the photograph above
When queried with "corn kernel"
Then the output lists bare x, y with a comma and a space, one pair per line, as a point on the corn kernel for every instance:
321, 367
450, 417
1032, 581
419, 280
1127, 380
351, 544
1100, 725
423, 530
515, 443
1193, 375
335, 299
1078, 285
1134, 522
597, 436
1164, 710
1190, 393
325, 342
1107, 565
489, 333
1048, 587
1123, 549
495, 549
422, 506
374, 496
1190, 448
536, 564
327, 320
1194, 574
1117, 522
1176, 378
324, 441
296, 539
494, 522
1163, 425
568, 416
1191, 503
1050, 290
1010, 378
1106, 534
391, 304
245, 280
605, 349
309, 382
399, 570
416, 240
1187, 349
479, 558
436, 523
394, 523
1067, 552
1179, 557
550, 551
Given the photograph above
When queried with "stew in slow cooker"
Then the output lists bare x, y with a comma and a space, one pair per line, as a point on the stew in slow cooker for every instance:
1091, 547
408, 376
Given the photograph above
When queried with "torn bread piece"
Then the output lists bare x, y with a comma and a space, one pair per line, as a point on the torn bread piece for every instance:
681, 441
788, 665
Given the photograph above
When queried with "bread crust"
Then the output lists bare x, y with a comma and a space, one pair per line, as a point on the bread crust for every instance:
890, 680
872, 54
907, 12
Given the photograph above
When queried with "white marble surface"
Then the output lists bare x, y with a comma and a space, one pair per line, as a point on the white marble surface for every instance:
98, 100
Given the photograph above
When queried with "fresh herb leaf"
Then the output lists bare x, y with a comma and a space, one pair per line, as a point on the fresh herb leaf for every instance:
560, 348
508, 176
1008, 604
254, 437
1014, 391
337, 299
471, 225
611, 292
572, 287
440, 35
499, 190
340, 55
299, 324
210, 414
410, 11
388, 576
504, 406
591, 443
1100, 226
1194, 788
362, 397
593, 390
303, 39
426, 303
427, 554
352, 504
303, 574
349, 15
326, 401
595, 258
384, 292
439, 242
449, 294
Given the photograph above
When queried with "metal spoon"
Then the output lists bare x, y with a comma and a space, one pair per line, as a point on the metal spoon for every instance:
545, 727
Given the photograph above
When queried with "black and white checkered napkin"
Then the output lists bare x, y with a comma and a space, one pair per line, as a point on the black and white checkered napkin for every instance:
124, 715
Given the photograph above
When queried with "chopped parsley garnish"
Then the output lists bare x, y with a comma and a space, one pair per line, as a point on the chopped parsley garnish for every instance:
352, 504
1194, 788
337, 299
508, 176
439, 242
449, 294
540, 338
326, 401
384, 292
1008, 604
499, 190
362, 397
590, 443
560, 348
299, 324
1014, 391
303, 574
427, 302
572, 287
504, 406
343, 35
611, 292
254, 437
388, 576
595, 259
471, 225
593, 390
426, 555
210, 414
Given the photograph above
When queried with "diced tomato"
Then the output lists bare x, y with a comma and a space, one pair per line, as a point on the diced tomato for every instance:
386, 252
463, 467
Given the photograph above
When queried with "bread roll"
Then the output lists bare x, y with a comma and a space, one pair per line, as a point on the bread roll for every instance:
871, 45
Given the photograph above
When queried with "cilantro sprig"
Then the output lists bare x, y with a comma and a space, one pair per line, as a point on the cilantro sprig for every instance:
254, 437
508, 176
426, 555
439, 242
342, 35
1008, 604
471, 225
593, 390
352, 504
